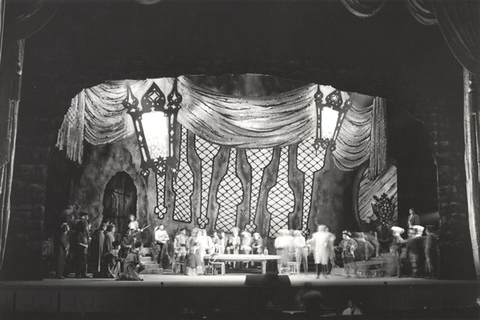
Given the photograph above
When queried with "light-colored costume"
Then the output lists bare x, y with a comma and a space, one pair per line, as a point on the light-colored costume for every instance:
301, 250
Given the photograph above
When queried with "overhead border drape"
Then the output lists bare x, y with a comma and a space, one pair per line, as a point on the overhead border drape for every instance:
422, 11
97, 116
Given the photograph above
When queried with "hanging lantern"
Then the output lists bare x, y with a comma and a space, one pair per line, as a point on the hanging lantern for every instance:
330, 115
154, 125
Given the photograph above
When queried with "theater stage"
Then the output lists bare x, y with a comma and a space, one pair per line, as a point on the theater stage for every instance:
219, 297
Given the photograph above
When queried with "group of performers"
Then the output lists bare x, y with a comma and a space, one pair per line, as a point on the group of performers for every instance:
191, 249
117, 255
110, 254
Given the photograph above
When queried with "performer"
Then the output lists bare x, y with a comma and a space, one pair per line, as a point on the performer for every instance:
416, 252
257, 244
81, 249
368, 228
109, 237
96, 247
64, 248
301, 250
348, 246
319, 245
246, 242
132, 265
126, 243
283, 244
431, 253
113, 261
215, 241
396, 248
180, 245
194, 260
222, 243
331, 250
133, 223
233, 244
413, 218
161, 239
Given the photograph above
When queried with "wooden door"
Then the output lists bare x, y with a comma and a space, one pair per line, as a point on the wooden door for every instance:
120, 200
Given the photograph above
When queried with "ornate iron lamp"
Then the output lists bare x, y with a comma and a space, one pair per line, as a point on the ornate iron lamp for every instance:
155, 129
330, 115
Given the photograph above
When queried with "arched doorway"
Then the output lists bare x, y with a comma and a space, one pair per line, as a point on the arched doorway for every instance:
119, 200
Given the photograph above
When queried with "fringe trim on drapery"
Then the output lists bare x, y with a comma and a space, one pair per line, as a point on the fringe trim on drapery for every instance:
378, 139
71, 133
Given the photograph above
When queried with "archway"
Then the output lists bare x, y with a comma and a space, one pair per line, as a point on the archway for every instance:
119, 199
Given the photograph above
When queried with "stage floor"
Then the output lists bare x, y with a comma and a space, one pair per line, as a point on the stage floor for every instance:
229, 294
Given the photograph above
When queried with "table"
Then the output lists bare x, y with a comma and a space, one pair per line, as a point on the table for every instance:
243, 258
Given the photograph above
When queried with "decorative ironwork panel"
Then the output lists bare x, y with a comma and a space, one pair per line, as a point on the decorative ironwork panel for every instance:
160, 209
309, 161
258, 159
183, 184
281, 200
206, 151
229, 195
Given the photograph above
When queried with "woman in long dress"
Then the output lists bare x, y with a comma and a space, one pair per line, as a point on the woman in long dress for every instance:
319, 244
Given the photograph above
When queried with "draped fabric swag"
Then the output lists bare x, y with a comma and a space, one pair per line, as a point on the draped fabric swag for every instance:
422, 11
353, 141
97, 115
363, 8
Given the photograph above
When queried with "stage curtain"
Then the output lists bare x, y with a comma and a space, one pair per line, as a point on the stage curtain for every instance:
363, 8
422, 11
460, 26
248, 122
10, 82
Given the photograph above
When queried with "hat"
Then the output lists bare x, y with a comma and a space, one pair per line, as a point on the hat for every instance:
348, 233
418, 229
297, 233
398, 230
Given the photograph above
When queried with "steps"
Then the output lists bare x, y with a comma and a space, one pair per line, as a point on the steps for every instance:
151, 266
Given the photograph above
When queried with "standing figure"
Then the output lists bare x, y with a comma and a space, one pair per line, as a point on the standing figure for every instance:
348, 246
431, 253
132, 265
413, 218
301, 250
194, 261
368, 227
81, 249
161, 239
283, 246
222, 242
331, 249
396, 248
319, 245
180, 246
109, 238
257, 244
416, 252
96, 247
64, 247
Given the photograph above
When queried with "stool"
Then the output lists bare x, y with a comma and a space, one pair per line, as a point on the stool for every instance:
293, 267
217, 265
